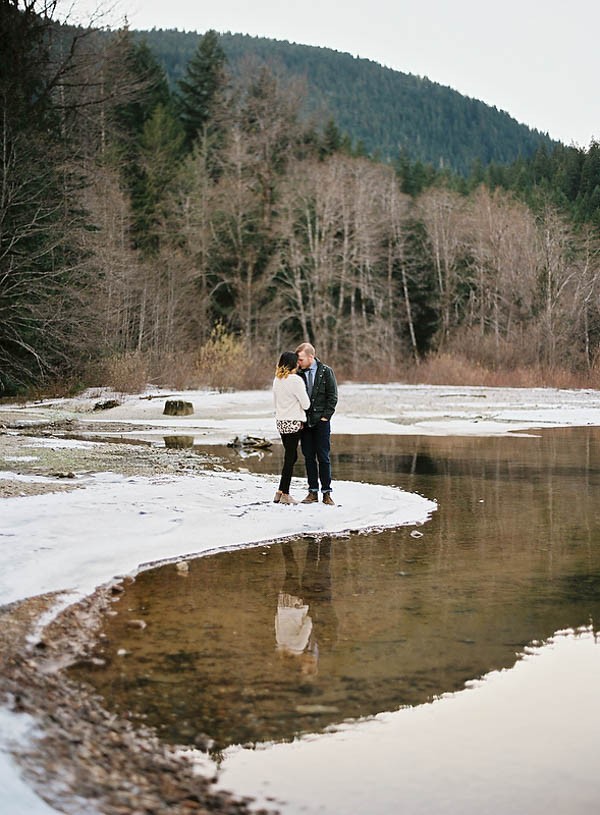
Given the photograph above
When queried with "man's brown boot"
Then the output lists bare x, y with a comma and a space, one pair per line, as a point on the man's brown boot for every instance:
311, 498
327, 499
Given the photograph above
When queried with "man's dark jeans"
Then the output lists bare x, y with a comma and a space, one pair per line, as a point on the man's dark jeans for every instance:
315, 448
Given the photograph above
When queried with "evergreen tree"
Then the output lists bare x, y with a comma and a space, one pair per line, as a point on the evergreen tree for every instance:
160, 151
148, 139
148, 81
202, 85
332, 139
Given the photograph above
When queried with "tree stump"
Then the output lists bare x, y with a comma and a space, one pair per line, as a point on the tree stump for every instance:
178, 442
177, 407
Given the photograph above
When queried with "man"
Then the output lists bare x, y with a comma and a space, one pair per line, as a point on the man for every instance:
315, 438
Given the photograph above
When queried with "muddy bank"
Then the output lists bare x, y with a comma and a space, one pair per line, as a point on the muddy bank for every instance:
62, 455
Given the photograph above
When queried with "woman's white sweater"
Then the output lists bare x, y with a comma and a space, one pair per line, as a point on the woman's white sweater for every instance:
290, 398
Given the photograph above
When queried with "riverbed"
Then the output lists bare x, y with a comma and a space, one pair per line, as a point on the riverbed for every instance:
480, 577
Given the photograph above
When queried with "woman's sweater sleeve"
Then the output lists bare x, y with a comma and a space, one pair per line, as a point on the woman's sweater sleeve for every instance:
303, 396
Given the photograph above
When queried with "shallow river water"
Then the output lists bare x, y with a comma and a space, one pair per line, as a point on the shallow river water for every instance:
299, 649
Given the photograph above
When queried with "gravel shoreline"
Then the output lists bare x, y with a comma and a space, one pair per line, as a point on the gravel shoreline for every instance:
84, 759
42, 451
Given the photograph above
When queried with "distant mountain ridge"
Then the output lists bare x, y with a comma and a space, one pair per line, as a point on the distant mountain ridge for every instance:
387, 110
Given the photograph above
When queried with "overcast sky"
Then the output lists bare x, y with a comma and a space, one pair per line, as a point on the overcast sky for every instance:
537, 59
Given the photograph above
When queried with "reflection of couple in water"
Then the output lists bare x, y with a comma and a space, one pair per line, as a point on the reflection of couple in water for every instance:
305, 618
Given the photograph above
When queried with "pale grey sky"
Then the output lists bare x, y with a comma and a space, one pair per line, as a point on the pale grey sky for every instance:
537, 59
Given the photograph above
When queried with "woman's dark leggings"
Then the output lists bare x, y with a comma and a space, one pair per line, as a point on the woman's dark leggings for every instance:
290, 446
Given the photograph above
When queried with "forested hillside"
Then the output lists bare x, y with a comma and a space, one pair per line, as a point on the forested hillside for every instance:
569, 177
386, 111
168, 232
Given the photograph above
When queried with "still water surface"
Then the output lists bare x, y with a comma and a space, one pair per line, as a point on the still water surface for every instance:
269, 643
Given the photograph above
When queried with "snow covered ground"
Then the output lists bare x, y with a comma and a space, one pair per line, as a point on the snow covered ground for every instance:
362, 409
74, 541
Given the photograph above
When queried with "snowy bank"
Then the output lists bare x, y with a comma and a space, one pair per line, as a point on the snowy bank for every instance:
16, 798
78, 540
391, 409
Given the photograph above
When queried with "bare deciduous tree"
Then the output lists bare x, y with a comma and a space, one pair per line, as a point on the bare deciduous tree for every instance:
442, 213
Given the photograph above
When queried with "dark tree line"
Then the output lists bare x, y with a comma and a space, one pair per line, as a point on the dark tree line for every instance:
567, 177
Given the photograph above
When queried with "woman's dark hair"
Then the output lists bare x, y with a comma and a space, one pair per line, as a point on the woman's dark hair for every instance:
287, 362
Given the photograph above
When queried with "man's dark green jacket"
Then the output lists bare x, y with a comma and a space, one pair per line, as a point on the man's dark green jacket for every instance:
324, 395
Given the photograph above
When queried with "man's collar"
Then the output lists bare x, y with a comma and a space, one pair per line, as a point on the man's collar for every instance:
312, 367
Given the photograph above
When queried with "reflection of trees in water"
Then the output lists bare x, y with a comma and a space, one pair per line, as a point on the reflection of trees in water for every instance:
522, 494
502, 457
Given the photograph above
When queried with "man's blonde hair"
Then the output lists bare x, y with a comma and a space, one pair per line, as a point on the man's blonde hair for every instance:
307, 348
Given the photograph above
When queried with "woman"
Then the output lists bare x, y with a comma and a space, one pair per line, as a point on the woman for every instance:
291, 403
